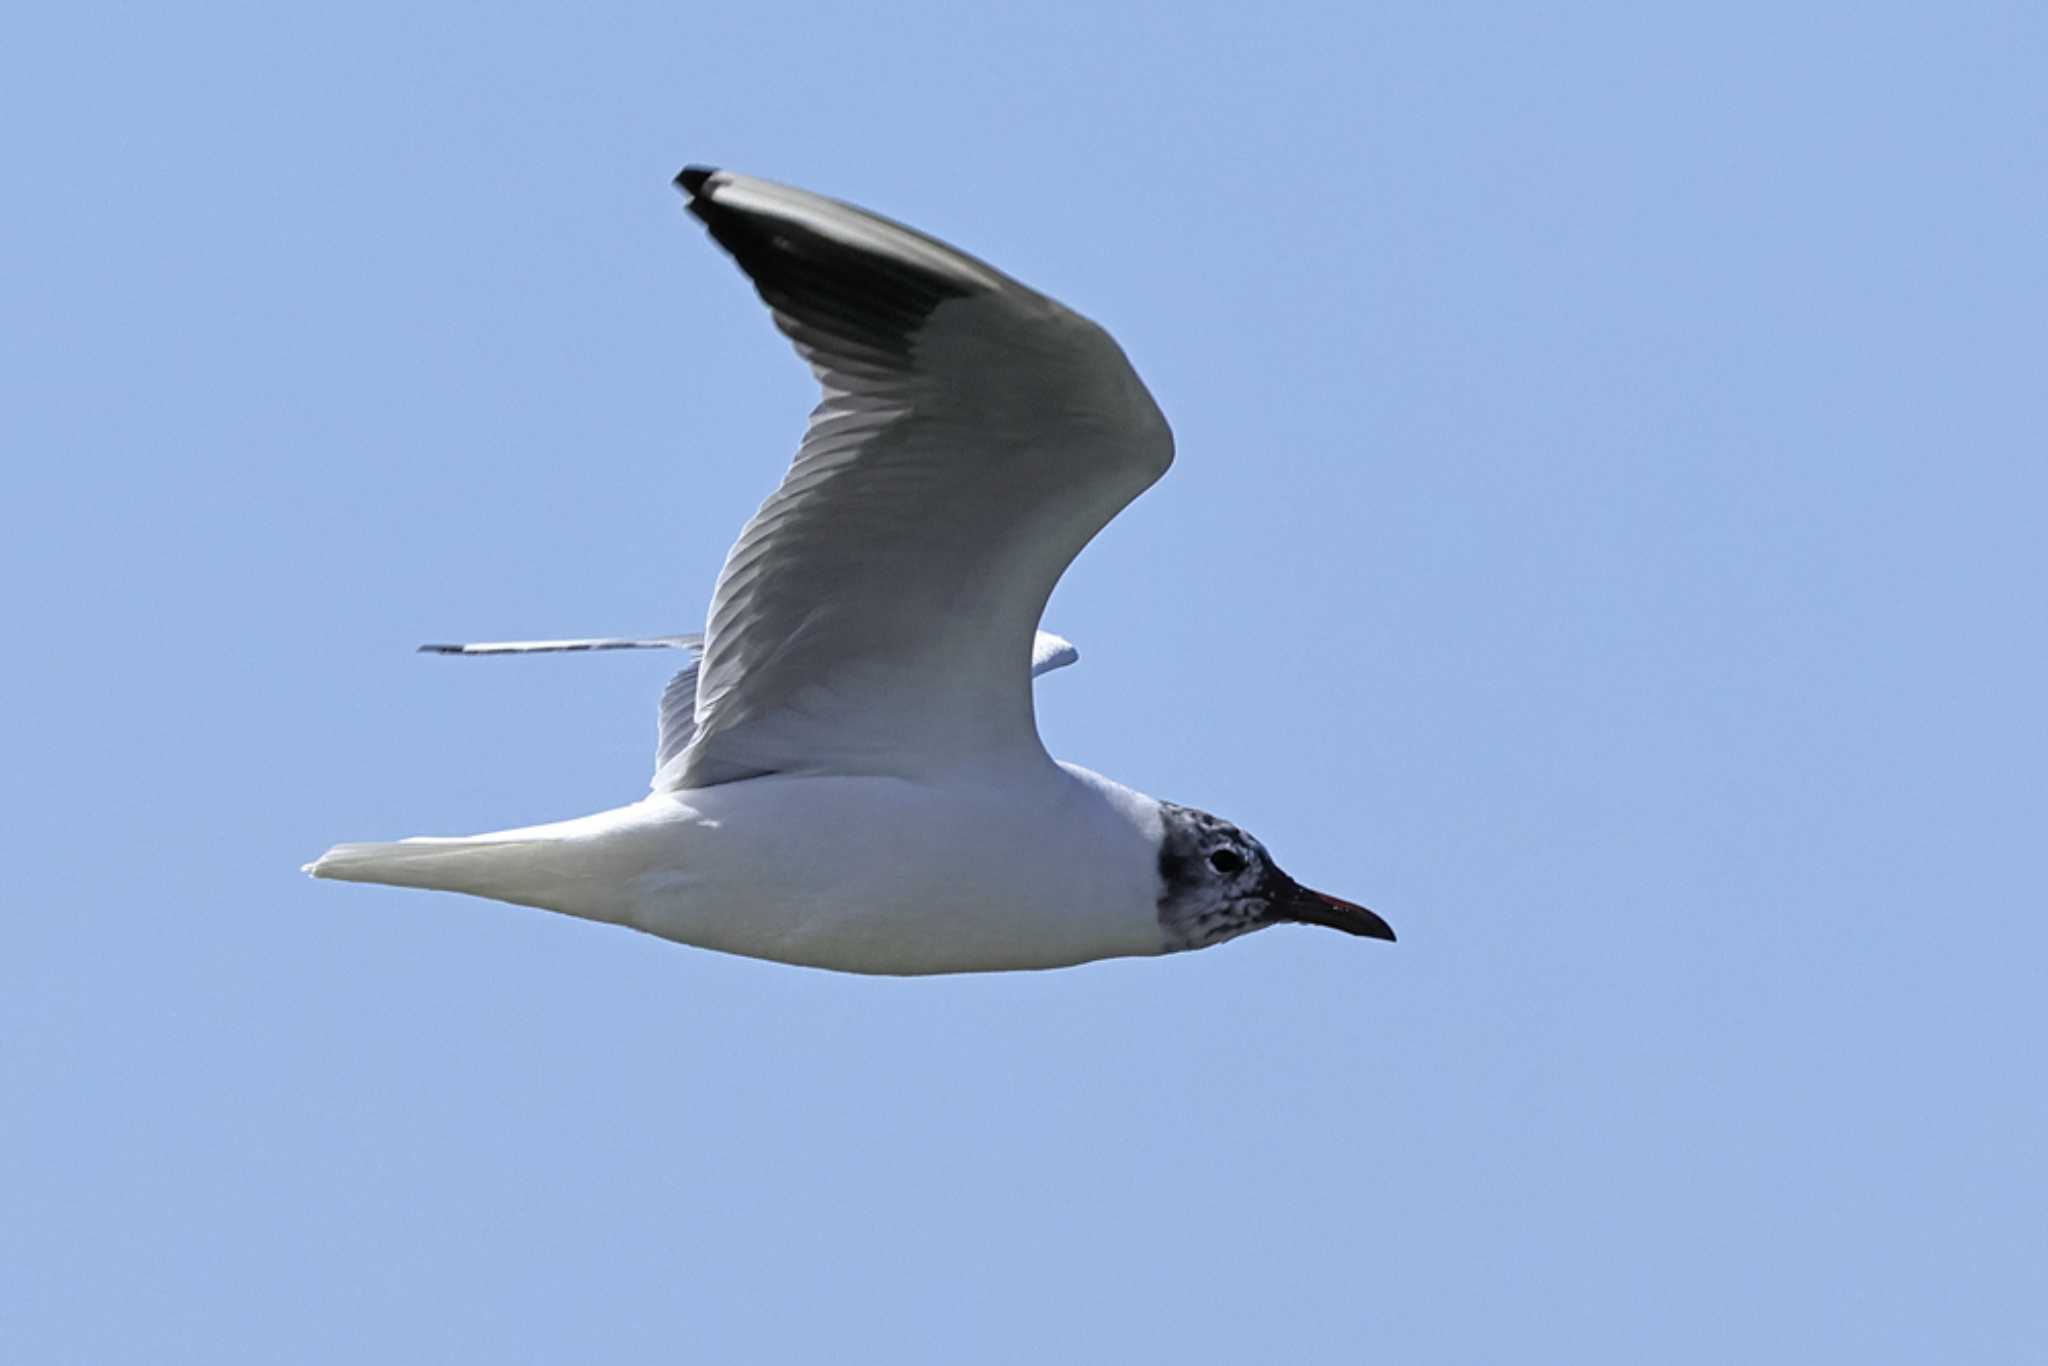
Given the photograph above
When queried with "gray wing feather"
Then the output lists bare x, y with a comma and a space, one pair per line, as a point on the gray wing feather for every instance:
973, 436
678, 715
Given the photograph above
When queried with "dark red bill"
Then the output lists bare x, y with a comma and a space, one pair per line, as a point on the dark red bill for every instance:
1305, 906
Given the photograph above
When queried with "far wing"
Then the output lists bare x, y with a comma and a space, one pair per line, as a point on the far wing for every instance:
1049, 652
544, 647
678, 722
678, 699
877, 612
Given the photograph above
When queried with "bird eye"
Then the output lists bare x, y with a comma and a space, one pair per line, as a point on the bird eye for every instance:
1227, 861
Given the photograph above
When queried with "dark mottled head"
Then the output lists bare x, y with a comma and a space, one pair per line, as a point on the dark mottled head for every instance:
1217, 882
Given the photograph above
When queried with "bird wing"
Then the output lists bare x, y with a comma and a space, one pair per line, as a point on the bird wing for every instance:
678, 716
877, 613
543, 647
678, 722
1049, 652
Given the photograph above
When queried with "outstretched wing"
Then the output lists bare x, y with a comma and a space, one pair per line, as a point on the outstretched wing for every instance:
678, 700
877, 613
546, 647
678, 718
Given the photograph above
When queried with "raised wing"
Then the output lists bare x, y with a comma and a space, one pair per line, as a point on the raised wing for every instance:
678, 724
876, 614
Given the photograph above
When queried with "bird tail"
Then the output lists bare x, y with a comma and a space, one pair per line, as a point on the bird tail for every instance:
570, 866
480, 865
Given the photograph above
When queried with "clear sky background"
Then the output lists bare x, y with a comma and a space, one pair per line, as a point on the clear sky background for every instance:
1606, 539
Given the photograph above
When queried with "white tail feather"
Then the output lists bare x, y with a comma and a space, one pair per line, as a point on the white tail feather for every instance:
571, 866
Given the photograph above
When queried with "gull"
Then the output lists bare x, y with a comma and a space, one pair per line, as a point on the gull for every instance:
848, 771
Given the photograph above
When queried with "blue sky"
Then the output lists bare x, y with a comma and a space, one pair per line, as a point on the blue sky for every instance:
1606, 539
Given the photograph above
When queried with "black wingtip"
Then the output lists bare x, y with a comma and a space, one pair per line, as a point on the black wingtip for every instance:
439, 650
692, 178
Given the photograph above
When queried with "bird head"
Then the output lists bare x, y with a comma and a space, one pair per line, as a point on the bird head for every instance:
1217, 882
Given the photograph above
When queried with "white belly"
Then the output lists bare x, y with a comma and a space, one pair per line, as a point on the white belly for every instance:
889, 876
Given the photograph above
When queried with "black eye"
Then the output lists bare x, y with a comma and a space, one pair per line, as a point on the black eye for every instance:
1227, 861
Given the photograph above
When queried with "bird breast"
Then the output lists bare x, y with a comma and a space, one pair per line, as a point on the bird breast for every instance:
1044, 868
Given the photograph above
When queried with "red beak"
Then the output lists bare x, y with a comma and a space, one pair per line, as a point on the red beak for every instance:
1298, 903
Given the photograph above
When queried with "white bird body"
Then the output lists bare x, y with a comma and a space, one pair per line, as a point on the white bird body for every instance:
1036, 866
849, 773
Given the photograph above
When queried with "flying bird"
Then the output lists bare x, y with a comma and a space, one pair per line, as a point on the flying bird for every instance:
848, 773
